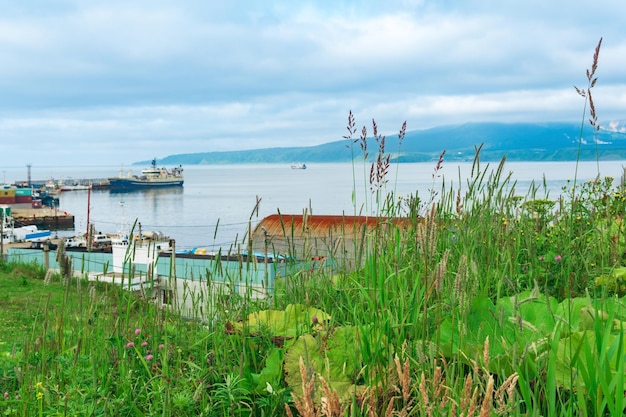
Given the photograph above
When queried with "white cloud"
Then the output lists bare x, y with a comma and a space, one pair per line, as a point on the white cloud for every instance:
198, 76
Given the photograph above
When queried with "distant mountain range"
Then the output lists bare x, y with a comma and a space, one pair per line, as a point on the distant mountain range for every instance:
557, 141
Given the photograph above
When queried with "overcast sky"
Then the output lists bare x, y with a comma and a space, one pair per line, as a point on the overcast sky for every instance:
113, 82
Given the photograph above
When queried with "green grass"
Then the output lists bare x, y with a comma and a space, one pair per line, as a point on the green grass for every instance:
509, 298
484, 300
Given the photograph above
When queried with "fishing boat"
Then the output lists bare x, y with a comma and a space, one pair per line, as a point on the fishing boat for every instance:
298, 166
11, 234
152, 177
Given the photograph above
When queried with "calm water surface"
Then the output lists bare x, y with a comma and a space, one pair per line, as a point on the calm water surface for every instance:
216, 203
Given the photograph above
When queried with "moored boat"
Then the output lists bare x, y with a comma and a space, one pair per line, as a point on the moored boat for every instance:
152, 177
298, 166
10, 233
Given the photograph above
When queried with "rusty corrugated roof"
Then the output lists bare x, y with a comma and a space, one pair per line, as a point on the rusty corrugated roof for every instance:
318, 225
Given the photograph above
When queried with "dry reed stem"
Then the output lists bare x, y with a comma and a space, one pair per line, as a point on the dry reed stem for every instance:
404, 377
442, 268
485, 410
592, 79
505, 404
467, 389
434, 395
304, 405
473, 405
460, 279
425, 398
331, 406
402, 133
439, 164
389, 410
486, 353
438, 383
372, 403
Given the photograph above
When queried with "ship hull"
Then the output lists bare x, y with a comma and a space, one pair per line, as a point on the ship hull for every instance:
137, 184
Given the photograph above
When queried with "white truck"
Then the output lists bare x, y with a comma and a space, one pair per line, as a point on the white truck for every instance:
75, 242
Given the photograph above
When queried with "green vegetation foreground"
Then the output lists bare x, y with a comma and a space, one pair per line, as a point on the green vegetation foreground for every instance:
494, 302
481, 301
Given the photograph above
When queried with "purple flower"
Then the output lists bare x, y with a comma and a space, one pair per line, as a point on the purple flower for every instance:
130, 345
558, 258
149, 357
314, 319
161, 346
137, 332
6, 395
144, 344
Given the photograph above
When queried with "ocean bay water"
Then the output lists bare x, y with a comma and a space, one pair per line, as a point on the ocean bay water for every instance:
215, 205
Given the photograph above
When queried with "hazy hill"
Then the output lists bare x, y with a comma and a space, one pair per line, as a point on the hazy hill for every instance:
518, 141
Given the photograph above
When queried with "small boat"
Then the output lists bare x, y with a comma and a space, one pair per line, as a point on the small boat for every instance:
72, 186
11, 234
143, 248
152, 177
298, 166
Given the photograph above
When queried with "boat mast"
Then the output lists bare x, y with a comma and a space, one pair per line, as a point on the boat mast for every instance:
88, 208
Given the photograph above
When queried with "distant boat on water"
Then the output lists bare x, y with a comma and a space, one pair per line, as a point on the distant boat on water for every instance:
298, 166
73, 187
152, 177
61, 185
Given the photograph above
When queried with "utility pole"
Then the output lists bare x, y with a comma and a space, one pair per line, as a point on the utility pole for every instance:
267, 242
2, 233
173, 282
28, 166
88, 207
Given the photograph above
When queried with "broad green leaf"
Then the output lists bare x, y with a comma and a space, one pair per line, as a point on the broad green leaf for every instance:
334, 356
272, 372
295, 320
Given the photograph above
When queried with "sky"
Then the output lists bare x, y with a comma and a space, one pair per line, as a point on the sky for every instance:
104, 83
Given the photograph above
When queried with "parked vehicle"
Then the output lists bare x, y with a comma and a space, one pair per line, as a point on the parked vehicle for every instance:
101, 239
75, 242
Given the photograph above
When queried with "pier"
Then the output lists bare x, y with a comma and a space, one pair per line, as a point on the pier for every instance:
44, 217
94, 183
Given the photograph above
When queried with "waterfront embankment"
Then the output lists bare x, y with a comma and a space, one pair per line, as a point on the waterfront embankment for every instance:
42, 217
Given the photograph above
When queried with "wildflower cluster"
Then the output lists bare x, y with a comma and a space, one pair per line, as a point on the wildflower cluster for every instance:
146, 353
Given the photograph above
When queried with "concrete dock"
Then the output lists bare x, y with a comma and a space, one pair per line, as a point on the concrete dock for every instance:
43, 218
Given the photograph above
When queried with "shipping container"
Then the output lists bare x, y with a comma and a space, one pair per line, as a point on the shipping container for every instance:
7, 192
23, 199
7, 200
21, 192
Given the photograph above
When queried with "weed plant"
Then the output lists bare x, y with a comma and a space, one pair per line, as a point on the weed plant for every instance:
474, 301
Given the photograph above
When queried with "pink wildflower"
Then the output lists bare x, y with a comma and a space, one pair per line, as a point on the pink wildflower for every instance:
149, 357
558, 258
161, 346
6, 395
137, 332
144, 344
130, 345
